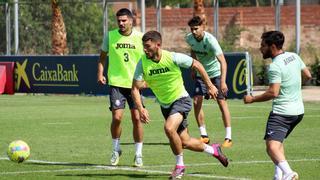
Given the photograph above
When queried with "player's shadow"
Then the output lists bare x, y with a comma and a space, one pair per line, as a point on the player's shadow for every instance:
119, 175
63, 164
98, 168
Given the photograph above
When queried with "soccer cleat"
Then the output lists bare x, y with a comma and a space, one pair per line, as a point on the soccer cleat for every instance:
178, 172
115, 156
277, 177
219, 155
227, 143
204, 139
291, 176
138, 161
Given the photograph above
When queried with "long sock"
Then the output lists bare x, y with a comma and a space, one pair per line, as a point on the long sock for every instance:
277, 172
208, 149
228, 132
203, 130
284, 166
116, 144
138, 146
179, 160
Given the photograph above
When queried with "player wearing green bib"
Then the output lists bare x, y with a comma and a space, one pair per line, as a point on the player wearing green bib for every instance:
206, 49
284, 76
124, 48
160, 69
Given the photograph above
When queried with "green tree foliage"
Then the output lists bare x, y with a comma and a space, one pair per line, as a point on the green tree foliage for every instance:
2, 30
34, 28
83, 21
84, 27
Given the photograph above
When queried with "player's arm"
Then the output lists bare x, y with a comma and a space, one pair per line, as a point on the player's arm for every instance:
101, 64
223, 65
135, 92
137, 84
193, 73
271, 93
306, 75
213, 91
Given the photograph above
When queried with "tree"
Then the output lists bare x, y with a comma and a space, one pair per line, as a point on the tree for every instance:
199, 10
59, 34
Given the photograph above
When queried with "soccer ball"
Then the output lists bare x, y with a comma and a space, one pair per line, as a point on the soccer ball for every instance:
18, 151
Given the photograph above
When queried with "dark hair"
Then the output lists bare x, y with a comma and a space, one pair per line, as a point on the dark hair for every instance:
154, 36
195, 21
273, 37
124, 12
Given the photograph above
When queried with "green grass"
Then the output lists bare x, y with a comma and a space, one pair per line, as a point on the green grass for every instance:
75, 130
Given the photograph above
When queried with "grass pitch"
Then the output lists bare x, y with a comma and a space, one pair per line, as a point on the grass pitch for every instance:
70, 139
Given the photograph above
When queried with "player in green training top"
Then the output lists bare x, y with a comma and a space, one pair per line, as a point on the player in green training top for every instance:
284, 76
161, 70
206, 49
124, 48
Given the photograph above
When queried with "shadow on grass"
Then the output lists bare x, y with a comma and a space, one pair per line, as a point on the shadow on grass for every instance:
101, 167
118, 175
63, 164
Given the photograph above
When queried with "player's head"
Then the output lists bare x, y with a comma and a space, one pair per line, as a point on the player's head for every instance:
151, 43
125, 20
196, 25
271, 40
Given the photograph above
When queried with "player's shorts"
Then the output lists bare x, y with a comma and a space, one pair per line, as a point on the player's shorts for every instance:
280, 126
182, 106
200, 88
119, 96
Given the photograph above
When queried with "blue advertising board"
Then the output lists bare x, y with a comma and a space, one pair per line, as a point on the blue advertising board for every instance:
78, 74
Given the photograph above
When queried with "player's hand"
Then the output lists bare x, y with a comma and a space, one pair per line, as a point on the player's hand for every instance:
224, 88
213, 92
247, 99
102, 80
144, 116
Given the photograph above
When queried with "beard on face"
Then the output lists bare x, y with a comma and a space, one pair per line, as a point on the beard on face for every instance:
267, 54
150, 55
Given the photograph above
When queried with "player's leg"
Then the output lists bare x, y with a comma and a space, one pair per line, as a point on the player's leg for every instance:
225, 113
276, 154
117, 105
171, 126
175, 123
137, 136
199, 92
137, 129
278, 128
226, 117
198, 146
199, 115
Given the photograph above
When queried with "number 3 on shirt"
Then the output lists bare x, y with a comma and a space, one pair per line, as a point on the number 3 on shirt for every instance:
126, 57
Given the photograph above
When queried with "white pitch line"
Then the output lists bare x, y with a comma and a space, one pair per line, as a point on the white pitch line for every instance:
57, 123
247, 117
253, 106
99, 167
237, 162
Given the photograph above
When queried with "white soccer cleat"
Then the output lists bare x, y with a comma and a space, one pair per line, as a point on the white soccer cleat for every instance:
291, 176
138, 161
115, 157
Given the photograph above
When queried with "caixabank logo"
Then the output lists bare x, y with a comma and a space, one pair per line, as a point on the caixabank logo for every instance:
239, 80
31, 75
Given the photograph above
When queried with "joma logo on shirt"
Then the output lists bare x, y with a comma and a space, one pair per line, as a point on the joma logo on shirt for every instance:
288, 60
200, 52
125, 45
158, 71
